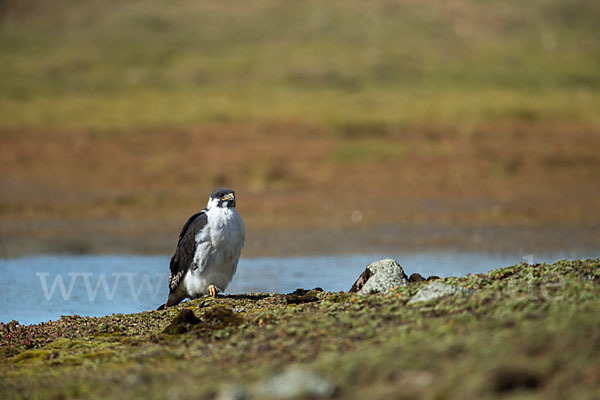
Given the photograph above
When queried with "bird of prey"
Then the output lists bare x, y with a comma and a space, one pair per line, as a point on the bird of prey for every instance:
208, 250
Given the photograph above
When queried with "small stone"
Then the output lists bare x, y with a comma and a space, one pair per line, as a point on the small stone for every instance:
380, 276
232, 392
203, 304
416, 277
506, 380
301, 296
436, 290
292, 299
222, 316
182, 322
295, 381
302, 291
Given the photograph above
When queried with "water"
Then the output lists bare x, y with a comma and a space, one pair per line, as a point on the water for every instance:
42, 288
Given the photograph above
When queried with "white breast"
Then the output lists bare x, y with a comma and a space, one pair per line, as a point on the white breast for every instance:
218, 248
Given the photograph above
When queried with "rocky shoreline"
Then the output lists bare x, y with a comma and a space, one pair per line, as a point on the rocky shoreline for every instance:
523, 328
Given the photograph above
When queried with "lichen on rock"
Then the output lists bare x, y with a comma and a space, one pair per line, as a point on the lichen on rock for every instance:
295, 381
380, 277
436, 290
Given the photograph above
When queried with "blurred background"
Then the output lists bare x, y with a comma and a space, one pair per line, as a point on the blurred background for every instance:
344, 126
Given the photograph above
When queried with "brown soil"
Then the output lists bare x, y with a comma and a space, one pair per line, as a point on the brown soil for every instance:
106, 191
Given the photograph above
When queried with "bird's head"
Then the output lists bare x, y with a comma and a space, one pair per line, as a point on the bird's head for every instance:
222, 197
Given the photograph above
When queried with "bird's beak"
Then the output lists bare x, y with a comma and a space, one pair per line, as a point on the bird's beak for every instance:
228, 196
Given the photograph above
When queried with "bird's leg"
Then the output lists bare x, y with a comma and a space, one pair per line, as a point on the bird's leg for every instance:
213, 290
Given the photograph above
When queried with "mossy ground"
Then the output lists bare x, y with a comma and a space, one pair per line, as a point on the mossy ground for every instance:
525, 331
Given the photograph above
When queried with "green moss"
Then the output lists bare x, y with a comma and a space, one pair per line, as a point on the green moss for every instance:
99, 355
31, 355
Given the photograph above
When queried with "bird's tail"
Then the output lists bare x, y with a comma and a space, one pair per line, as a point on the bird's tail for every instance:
172, 300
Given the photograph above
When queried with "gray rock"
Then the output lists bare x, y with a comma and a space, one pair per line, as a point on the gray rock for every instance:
436, 290
380, 276
295, 381
232, 392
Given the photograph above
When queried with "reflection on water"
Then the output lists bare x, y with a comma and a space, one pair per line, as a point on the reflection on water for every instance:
36, 289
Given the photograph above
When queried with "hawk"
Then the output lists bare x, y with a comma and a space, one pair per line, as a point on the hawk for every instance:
208, 250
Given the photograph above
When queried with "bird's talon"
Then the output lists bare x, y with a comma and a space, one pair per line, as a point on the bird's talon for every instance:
213, 290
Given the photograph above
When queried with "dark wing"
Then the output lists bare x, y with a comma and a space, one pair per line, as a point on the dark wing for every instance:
186, 246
